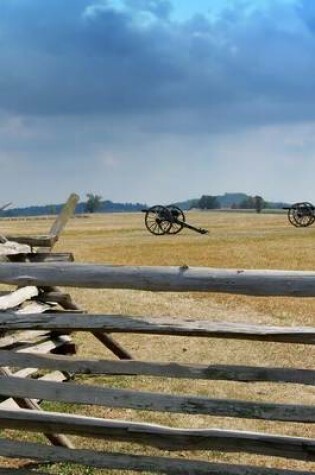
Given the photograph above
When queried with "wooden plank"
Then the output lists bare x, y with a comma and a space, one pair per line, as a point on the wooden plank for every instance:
168, 279
117, 349
23, 373
53, 376
22, 338
33, 241
31, 405
56, 376
64, 216
140, 400
162, 437
60, 222
157, 326
67, 303
51, 343
121, 461
9, 404
17, 297
33, 307
11, 248
4, 292
34, 342
75, 365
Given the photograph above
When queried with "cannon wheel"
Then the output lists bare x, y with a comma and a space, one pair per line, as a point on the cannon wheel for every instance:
305, 214
301, 214
291, 216
176, 215
156, 220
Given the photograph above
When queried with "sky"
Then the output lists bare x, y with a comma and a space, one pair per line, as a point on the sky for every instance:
156, 101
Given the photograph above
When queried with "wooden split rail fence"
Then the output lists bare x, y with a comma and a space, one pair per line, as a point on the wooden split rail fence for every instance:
38, 363
26, 392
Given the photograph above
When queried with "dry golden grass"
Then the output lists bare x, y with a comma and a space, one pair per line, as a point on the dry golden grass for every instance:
235, 241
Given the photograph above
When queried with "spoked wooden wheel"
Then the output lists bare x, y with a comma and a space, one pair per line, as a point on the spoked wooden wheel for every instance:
302, 214
291, 216
157, 220
177, 217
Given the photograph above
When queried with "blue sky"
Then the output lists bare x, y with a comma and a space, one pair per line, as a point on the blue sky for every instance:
156, 100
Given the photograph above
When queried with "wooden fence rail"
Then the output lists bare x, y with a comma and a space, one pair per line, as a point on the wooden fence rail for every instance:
75, 365
16, 327
162, 279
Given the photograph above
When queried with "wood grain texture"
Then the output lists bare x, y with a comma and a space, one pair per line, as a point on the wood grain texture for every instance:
29, 404
168, 279
156, 326
75, 365
64, 216
162, 437
140, 400
121, 461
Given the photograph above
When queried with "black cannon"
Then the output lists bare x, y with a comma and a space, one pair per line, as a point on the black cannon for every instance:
301, 214
161, 220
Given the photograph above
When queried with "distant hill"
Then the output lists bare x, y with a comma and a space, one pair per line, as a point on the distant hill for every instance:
225, 201
228, 200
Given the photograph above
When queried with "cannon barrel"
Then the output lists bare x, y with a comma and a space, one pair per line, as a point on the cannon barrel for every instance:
193, 228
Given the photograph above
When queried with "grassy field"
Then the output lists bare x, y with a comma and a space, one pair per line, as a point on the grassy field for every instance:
235, 240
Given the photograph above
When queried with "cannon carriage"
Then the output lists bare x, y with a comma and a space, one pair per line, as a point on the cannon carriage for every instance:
301, 215
160, 220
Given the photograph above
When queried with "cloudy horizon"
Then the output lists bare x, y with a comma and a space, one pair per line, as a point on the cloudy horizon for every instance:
156, 100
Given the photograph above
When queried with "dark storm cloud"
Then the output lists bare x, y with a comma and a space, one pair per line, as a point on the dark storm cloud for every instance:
249, 65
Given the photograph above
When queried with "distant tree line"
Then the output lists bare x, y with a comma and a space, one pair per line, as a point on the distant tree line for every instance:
253, 202
93, 204
213, 202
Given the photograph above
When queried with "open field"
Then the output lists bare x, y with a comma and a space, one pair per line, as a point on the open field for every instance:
236, 240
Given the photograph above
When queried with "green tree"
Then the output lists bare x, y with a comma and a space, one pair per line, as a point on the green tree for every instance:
253, 202
52, 209
259, 203
247, 203
208, 202
93, 203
